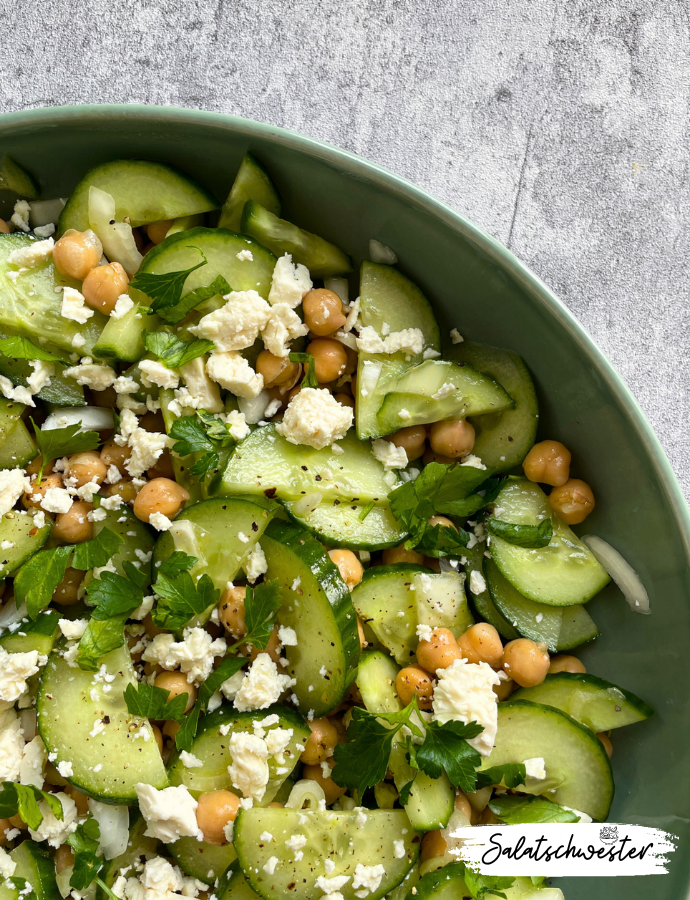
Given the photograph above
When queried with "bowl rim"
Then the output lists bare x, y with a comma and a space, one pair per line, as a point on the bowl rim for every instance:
357, 165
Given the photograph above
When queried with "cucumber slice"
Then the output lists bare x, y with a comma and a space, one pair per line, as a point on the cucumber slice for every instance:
34, 864
139, 848
66, 717
61, 391
575, 760
138, 539
266, 463
40, 635
30, 305
318, 255
234, 886
595, 702
376, 676
482, 603
502, 439
213, 535
565, 572
562, 628
220, 247
202, 860
212, 748
124, 338
447, 883
338, 524
17, 446
15, 178
441, 602
144, 191
330, 835
416, 393
321, 613
17, 527
252, 182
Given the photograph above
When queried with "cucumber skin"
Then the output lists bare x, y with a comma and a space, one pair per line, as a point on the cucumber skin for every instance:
38, 867
40, 635
352, 541
252, 182
428, 885
16, 556
482, 604
217, 861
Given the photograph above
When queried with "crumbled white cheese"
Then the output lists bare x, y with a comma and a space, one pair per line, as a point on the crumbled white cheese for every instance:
283, 326
65, 768
289, 283
410, 341
123, 304
368, 878
194, 655
232, 372
255, 564
20, 216
464, 693
18, 393
262, 685
245, 255
7, 864
154, 372
477, 582
11, 745
199, 392
444, 391
330, 885
91, 374
237, 424
170, 813
287, 636
74, 307
41, 375
230, 687
15, 669
73, 629
34, 758
237, 324
146, 446
390, 456
269, 866
424, 632
56, 500
56, 831
13, 483
30, 256
277, 741
295, 842
160, 521
455, 336
315, 418
534, 768
473, 461
399, 849
249, 771
189, 761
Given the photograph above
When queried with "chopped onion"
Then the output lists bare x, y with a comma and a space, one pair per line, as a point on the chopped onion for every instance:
340, 287
10, 615
91, 418
254, 408
117, 237
346, 338
305, 791
379, 253
114, 824
306, 505
622, 573
45, 212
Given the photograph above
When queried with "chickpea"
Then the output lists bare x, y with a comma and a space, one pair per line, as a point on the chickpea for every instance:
330, 788
414, 682
152, 421
572, 501
432, 563
31, 499
163, 467
4, 823
433, 845
113, 454
76, 253
412, 439
4, 229
430, 456
67, 592
158, 737
277, 370
330, 359
441, 520
215, 810
64, 858
504, 688
350, 568
565, 663
481, 643
345, 400
395, 555
488, 818
34, 466
171, 728
272, 647
177, 684
106, 399
151, 628
81, 800
606, 741
439, 652
73, 526
452, 437
157, 231
462, 803
162, 495
323, 312
276, 805
125, 490
526, 662
86, 467
321, 742
103, 285
18, 822
231, 611
548, 462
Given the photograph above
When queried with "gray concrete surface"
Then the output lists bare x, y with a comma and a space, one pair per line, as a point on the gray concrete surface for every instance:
560, 126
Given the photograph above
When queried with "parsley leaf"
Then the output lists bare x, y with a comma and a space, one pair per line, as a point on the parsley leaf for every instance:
260, 607
522, 810
177, 562
151, 702
309, 380
530, 536
509, 774
173, 352
440, 540
216, 429
190, 436
481, 886
37, 579
23, 800
229, 667
84, 842
405, 792
165, 288
65, 441
445, 747
22, 348
101, 637
181, 599
185, 736
113, 595
97, 551
206, 464
178, 311
203, 433
362, 761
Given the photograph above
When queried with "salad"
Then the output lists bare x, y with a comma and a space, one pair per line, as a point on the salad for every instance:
290, 588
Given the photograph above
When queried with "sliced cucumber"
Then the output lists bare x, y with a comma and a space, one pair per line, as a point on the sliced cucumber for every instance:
502, 439
124, 338
15, 178
376, 676
447, 883
31, 306
36, 866
316, 603
416, 393
562, 628
565, 572
234, 886
143, 191
266, 463
441, 602
61, 391
17, 447
330, 835
576, 763
139, 848
202, 860
67, 714
339, 524
221, 533
212, 748
136, 536
17, 527
220, 247
252, 182
482, 603
318, 255
595, 702
40, 635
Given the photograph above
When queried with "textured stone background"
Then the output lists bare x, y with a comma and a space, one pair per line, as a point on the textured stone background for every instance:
560, 126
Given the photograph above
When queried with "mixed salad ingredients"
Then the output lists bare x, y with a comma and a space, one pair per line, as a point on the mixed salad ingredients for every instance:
290, 591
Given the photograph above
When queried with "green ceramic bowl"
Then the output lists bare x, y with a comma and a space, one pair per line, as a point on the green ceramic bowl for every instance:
479, 287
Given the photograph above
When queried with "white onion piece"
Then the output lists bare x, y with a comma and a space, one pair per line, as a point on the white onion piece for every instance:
622, 573
10, 615
305, 791
117, 237
306, 505
340, 287
379, 253
346, 338
114, 824
254, 408
91, 418
45, 212
62, 881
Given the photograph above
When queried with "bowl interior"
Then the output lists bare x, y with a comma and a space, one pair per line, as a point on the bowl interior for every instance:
480, 288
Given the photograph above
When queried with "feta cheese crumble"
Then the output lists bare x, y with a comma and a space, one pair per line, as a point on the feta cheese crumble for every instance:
255, 564
15, 669
154, 372
28, 257
390, 456
249, 769
170, 813
74, 307
237, 324
290, 282
232, 372
194, 655
464, 693
409, 341
315, 418
13, 483
262, 685
283, 326
477, 582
